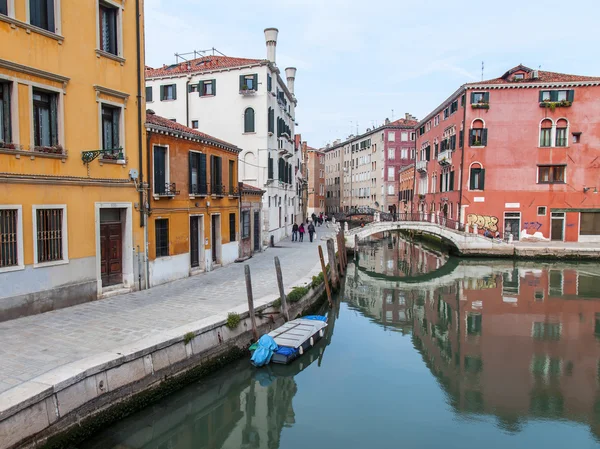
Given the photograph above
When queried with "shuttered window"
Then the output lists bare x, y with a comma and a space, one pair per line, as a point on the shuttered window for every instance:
269, 82
216, 176
249, 82
231, 177
41, 14
149, 94
161, 230
249, 120
478, 137
207, 88
232, 227
108, 15
271, 120
111, 124
168, 92
197, 173
270, 168
5, 122
9, 256
49, 235
245, 224
477, 179
45, 118
160, 170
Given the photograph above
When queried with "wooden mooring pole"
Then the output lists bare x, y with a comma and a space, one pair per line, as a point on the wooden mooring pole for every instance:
355, 247
325, 278
250, 301
340, 255
283, 298
335, 276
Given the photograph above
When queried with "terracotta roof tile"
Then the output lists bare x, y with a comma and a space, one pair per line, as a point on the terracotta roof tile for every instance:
249, 188
403, 122
157, 120
204, 64
543, 77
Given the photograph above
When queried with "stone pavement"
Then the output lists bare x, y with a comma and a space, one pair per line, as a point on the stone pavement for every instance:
36, 344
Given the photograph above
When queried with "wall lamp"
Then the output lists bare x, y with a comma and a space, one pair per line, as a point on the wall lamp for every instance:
585, 189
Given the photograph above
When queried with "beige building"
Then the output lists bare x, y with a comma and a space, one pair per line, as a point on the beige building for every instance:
333, 173
316, 180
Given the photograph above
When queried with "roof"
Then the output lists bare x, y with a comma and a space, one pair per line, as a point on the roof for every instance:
404, 122
159, 123
204, 64
247, 188
542, 77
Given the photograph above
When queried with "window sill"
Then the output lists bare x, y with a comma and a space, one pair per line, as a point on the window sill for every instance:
51, 264
32, 154
476, 146
29, 28
253, 132
207, 96
113, 161
551, 147
158, 197
12, 268
551, 183
108, 55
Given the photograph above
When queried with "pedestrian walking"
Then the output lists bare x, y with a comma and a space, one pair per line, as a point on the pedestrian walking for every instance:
301, 231
314, 217
311, 231
295, 233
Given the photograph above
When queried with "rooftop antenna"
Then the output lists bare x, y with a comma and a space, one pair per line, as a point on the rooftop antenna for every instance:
482, 67
357, 127
392, 115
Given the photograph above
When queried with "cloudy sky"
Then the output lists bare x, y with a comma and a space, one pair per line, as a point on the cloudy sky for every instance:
359, 60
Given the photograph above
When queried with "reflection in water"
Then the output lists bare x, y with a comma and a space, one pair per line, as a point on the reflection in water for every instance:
495, 352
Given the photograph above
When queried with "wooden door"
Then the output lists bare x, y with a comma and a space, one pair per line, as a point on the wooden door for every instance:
256, 231
557, 229
215, 238
111, 257
194, 244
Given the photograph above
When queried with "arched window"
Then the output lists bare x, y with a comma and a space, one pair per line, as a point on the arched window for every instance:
478, 137
546, 133
476, 176
250, 168
249, 120
562, 126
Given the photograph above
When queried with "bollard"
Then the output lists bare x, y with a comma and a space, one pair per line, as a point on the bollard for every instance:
250, 301
335, 277
284, 307
325, 277
475, 228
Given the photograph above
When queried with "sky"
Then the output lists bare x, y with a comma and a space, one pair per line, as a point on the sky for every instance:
360, 62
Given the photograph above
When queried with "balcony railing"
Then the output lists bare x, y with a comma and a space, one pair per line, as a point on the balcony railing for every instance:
421, 166
246, 91
199, 190
169, 190
445, 157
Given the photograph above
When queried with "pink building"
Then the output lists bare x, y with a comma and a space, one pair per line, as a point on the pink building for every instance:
398, 151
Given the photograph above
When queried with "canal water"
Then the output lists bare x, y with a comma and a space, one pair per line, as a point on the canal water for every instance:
422, 351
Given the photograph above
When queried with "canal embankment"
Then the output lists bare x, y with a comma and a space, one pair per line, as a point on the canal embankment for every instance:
70, 402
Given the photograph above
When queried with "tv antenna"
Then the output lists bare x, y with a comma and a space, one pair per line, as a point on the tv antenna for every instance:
482, 67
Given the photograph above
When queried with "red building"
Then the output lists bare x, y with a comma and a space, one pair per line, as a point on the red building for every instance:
519, 153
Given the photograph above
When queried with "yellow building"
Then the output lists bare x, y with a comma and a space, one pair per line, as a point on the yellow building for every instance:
71, 144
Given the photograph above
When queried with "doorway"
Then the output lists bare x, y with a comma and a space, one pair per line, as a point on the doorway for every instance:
512, 224
557, 228
197, 241
256, 231
111, 247
216, 238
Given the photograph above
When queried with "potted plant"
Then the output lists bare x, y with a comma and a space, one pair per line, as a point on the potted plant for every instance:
8, 146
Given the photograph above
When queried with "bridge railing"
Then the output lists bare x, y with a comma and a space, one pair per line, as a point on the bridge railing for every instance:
426, 218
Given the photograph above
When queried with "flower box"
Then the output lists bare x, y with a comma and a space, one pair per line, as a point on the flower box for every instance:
480, 106
55, 149
555, 104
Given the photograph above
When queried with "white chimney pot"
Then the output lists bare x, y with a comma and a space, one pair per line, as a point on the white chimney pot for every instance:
290, 74
271, 41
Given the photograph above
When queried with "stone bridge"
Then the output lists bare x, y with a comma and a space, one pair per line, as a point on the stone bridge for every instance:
466, 243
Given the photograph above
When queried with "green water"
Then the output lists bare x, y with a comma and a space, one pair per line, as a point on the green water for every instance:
423, 351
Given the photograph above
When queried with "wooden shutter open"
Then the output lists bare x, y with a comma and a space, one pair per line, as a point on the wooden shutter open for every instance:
570, 95
484, 137
53, 119
202, 187
214, 87
116, 127
486, 97
201, 88
242, 82
553, 95
255, 82
162, 93
174, 91
451, 184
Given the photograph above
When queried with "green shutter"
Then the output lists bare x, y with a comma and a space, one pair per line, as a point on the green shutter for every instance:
486, 97
471, 137
174, 91
570, 95
241, 81
472, 179
482, 183
162, 93
255, 82
201, 88
472, 97
116, 112
541, 96
461, 138
214, 83
451, 186
202, 173
190, 164
54, 119
484, 137
553, 95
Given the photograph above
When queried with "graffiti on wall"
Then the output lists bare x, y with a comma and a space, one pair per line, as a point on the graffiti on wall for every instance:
483, 221
532, 225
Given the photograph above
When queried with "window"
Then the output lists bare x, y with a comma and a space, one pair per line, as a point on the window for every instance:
161, 175
390, 189
589, 224
390, 173
480, 97
446, 113
11, 238
168, 92
391, 154
436, 120
546, 331
45, 118
557, 95
391, 136
462, 100
207, 88
195, 124
245, 224
477, 178
403, 153
269, 82
546, 133
474, 326
404, 137
561, 133
412, 136
197, 175
541, 211
249, 120
41, 14
149, 94
50, 234
249, 82
576, 137
5, 126
271, 120
232, 227
161, 230
519, 76
454, 107
216, 175
231, 177
551, 174
3, 10
111, 124
108, 15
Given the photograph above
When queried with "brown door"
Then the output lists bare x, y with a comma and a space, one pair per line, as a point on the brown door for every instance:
111, 260
558, 225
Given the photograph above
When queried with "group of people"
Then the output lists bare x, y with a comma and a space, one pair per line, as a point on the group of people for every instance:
299, 231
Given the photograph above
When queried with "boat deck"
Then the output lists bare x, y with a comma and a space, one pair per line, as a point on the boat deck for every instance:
296, 332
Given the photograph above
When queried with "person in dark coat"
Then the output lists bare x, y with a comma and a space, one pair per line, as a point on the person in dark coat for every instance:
301, 231
295, 233
311, 231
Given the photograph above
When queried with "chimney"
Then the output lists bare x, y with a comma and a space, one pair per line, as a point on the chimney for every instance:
407, 116
271, 40
290, 74
387, 121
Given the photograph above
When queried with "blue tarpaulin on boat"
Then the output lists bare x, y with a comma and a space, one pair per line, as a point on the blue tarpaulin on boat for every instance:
262, 355
315, 317
284, 350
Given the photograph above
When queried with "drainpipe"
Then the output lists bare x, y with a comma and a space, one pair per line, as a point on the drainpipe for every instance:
462, 158
240, 250
147, 209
